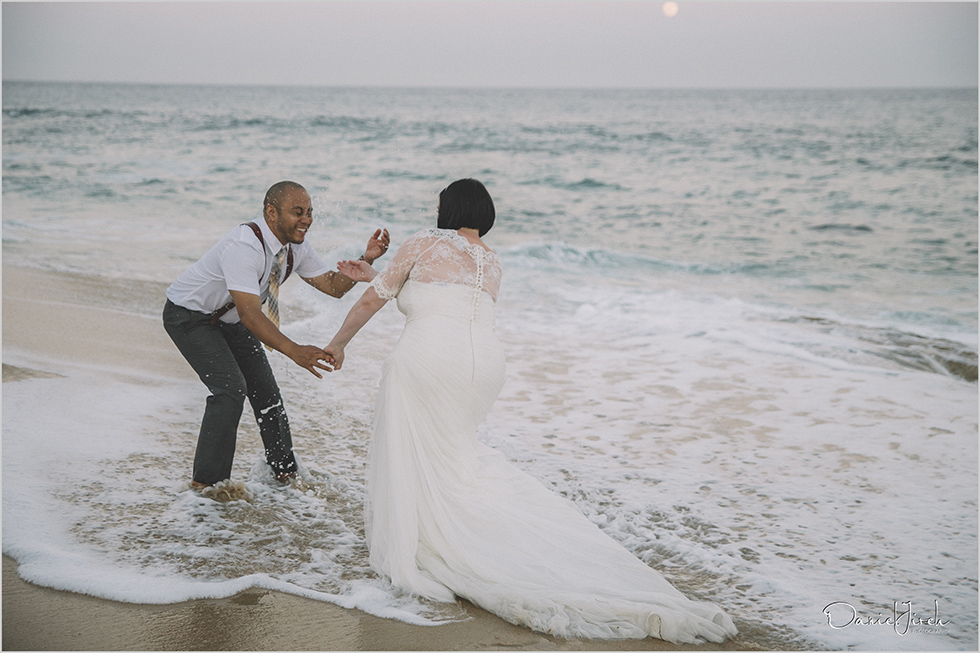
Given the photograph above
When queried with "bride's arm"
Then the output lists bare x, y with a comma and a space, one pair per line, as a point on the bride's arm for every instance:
365, 308
385, 286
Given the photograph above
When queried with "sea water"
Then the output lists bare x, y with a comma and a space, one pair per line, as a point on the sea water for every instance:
740, 327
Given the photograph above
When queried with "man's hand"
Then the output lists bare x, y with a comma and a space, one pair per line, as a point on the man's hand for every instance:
250, 311
377, 245
309, 357
357, 270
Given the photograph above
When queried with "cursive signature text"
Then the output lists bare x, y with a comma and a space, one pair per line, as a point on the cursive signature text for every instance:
841, 614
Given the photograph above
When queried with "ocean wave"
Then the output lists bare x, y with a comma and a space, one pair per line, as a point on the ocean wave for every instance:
97, 191
562, 256
853, 228
45, 112
594, 132
570, 257
586, 183
169, 120
903, 348
231, 123
27, 112
411, 175
944, 162
348, 122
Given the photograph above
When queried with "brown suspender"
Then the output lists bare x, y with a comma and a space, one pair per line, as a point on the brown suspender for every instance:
289, 252
216, 315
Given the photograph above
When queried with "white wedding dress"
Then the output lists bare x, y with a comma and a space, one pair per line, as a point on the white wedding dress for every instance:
446, 515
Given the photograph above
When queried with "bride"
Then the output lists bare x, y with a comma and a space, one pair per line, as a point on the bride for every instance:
448, 516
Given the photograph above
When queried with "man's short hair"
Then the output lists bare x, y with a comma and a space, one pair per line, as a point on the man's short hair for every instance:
275, 194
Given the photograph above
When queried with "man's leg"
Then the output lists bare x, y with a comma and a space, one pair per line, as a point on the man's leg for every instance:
206, 349
265, 398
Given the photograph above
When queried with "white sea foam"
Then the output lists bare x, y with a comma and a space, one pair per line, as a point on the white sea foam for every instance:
96, 500
752, 472
789, 477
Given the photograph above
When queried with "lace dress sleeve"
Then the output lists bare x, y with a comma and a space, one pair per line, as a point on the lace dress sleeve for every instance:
388, 283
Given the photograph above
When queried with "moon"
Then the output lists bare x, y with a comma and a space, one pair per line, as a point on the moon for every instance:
670, 9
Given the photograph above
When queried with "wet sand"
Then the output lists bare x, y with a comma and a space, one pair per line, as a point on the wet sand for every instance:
110, 326
42, 619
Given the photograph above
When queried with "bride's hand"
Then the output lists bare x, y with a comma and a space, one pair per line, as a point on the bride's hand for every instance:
335, 356
356, 270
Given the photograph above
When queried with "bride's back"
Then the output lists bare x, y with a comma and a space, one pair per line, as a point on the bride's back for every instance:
440, 256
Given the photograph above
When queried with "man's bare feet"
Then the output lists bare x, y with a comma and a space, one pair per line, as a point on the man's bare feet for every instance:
285, 478
223, 491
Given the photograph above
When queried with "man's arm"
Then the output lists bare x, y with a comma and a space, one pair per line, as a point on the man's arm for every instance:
332, 283
250, 311
336, 284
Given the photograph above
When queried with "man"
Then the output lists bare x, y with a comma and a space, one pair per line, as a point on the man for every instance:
214, 316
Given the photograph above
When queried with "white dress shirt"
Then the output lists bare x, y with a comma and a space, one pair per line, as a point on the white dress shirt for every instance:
238, 262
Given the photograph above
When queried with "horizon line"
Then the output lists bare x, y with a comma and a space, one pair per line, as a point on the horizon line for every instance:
501, 87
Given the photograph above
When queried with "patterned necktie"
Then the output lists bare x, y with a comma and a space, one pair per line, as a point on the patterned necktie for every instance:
273, 302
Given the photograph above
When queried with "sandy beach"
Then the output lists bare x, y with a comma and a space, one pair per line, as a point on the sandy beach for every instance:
111, 330
41, 619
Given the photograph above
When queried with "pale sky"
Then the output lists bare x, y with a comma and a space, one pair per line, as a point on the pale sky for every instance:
500, 43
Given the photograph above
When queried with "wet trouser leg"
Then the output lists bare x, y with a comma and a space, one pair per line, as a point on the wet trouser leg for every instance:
230, 361
265, 399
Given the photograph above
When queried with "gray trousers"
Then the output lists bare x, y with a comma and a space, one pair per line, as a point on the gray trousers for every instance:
232, 363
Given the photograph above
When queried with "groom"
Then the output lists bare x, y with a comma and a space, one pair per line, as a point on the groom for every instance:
214, 316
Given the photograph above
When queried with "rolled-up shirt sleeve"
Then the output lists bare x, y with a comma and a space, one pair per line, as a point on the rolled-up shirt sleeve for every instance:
310, 264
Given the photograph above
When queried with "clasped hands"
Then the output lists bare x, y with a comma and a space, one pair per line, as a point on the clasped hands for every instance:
312, 358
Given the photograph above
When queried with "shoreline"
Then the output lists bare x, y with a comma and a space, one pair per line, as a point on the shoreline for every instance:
41, 618
111, 332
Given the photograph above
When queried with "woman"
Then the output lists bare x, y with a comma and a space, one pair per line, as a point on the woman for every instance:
448, 516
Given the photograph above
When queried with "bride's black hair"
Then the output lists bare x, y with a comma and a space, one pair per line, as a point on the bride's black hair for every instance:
466, 204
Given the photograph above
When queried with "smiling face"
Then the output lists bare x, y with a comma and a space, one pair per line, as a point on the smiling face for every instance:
290, 215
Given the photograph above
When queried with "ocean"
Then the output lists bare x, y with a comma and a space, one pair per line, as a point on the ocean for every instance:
740, 326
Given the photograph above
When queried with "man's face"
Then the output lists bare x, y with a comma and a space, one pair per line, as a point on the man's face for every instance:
291, 222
